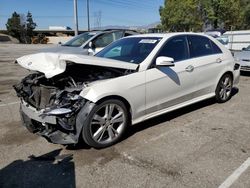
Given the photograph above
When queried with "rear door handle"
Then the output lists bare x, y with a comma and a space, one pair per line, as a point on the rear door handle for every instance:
218, 60
190, 68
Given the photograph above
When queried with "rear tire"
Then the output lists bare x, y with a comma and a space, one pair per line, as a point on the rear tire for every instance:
223, 91
106, 124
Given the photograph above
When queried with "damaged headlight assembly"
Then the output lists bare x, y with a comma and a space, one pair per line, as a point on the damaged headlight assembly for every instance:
65, 108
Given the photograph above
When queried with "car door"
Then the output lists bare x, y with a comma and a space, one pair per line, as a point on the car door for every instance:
207, 62
169, 86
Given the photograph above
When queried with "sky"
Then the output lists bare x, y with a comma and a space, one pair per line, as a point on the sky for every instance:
102, 12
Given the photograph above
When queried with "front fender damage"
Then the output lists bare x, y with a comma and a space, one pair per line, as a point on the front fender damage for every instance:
66, 129
72, 136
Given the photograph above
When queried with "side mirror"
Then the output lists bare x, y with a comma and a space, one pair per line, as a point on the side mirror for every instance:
165, 61
91, 50
243, 49
91, 45
60, 43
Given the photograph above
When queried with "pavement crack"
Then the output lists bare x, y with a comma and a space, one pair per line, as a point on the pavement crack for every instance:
172, 171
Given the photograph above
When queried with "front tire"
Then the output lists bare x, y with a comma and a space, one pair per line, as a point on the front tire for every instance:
223, 91
105, 124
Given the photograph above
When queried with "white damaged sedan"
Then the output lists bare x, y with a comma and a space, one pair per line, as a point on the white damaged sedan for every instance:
68, 97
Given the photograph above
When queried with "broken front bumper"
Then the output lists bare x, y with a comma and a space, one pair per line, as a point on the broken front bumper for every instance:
36, 122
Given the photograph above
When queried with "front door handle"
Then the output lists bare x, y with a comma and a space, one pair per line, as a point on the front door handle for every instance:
190, 68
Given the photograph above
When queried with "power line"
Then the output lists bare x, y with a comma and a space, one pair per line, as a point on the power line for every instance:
127, 4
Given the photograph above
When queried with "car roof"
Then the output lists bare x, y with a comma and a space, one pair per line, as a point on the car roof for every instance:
112, 30
167, 35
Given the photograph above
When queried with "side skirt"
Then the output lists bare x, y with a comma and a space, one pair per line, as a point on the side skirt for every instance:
172, 108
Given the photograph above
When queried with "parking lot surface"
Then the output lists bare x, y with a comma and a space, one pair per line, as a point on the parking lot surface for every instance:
203, 145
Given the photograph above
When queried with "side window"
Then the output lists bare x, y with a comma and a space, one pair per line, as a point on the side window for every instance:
216, 49
118, 34
199, 46
175, 48
103, 40
79, 40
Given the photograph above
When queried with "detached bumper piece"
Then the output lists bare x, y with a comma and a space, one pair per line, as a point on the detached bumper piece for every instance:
52, 128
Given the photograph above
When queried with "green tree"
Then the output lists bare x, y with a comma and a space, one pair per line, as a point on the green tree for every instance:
195, 15
245, 14
30, 26
222, 13
180, 15
22, 31
13, 26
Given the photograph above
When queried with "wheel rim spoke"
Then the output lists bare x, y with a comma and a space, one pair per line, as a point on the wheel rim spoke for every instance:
224, 95
226, 81
99, 133
228, 87
111, 133
109, 110
99, 119
115, 131
117, 118
221, 93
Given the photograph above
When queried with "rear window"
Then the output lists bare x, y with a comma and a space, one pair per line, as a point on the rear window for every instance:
216, 49
202, 46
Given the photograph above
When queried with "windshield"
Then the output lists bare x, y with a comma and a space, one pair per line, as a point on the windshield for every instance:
79, 40
132, 50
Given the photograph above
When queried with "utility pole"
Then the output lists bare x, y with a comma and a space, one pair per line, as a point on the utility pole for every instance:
88, 14
76, 17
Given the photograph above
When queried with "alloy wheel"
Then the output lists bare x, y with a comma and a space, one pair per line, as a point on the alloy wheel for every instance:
225, 88
107, 123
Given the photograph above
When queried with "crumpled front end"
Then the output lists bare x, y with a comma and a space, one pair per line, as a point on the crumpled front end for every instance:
51, 105
49, 111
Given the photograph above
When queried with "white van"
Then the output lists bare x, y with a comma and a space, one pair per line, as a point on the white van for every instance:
235, 40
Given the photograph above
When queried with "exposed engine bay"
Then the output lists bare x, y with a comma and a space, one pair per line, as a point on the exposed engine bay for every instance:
59, 96
40, 92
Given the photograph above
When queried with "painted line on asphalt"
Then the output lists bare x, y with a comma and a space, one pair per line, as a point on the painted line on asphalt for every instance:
235, 175
8, 104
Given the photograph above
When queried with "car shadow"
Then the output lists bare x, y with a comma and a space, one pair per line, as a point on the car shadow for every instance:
170, 73
171, 115
49, 171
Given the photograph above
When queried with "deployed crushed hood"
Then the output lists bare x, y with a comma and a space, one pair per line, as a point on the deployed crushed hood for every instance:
52, 64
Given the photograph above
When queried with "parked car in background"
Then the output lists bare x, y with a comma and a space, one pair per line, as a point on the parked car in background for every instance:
133, 79
59, 28
244, 58
90, 43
